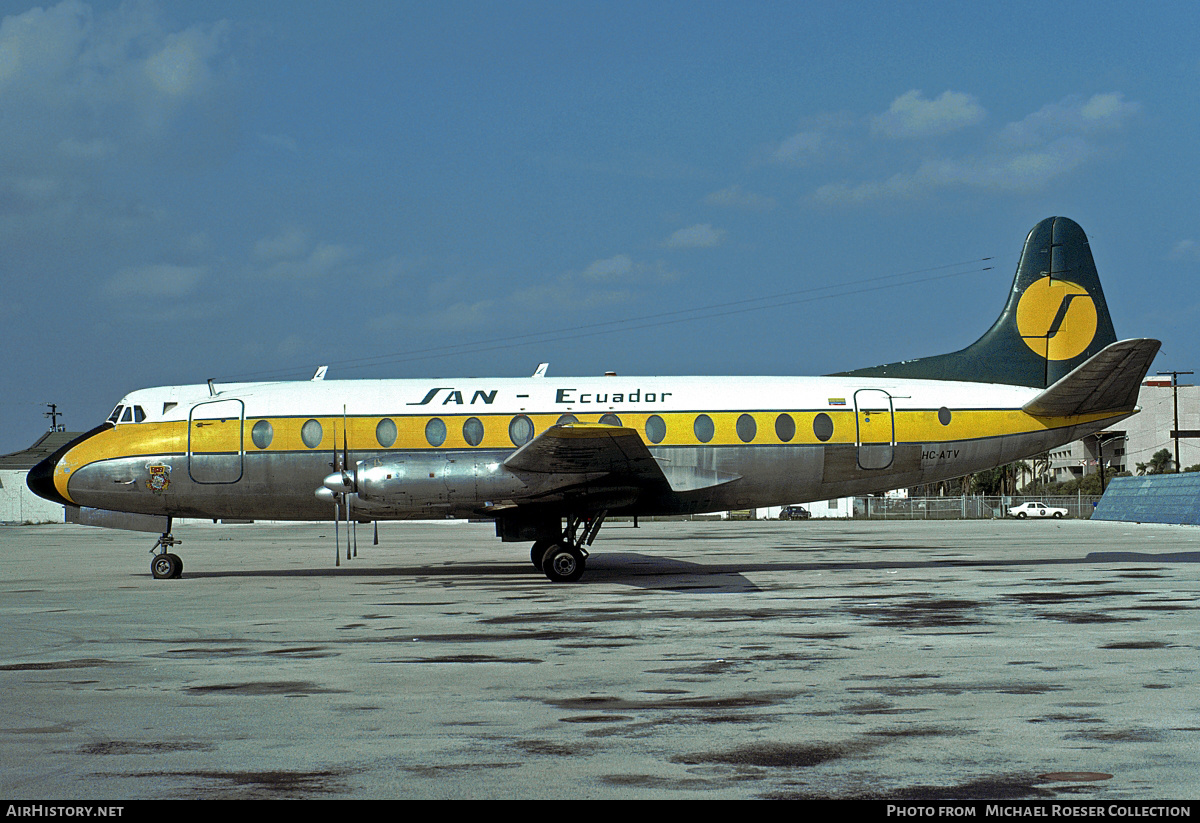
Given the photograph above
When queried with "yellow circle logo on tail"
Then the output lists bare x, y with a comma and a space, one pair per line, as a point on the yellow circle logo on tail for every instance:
1056, 318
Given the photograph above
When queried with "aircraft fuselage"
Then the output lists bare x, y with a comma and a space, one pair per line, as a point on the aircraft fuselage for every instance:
437, 449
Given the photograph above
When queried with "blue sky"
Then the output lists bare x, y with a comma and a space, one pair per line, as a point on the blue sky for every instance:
247, 190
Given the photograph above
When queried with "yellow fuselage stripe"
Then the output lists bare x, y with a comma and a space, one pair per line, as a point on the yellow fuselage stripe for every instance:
145, 439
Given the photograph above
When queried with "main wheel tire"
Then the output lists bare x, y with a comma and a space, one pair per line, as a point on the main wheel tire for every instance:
166, 567
538, 553
563, 564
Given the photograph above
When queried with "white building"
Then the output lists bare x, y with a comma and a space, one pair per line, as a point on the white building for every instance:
17, 503
1136, 439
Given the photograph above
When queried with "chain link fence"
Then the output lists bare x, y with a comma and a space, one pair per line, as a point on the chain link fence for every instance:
966, 507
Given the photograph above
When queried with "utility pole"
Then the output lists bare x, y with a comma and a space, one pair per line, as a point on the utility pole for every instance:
53, 414
1101, 439
1175, 397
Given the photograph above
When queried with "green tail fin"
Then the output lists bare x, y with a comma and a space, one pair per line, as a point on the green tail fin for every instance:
1055, 319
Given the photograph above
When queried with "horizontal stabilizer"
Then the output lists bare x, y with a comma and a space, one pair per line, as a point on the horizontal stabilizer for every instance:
1108, 381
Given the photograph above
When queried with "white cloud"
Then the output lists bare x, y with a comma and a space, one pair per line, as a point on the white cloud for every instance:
161, 280
702, 235
181, 66
617, 266
800, 147
1023, 156
736, 197
324, 260
1187, 250
290, 254
912, 115
83, 89
1071, 115
290, 243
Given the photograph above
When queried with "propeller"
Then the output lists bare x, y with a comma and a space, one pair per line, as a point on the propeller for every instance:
339, 486
337, 505
349, 484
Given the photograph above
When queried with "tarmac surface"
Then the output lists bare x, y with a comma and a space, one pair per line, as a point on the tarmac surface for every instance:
835, 659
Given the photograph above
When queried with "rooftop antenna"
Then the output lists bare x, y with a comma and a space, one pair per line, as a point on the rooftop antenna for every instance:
53, 414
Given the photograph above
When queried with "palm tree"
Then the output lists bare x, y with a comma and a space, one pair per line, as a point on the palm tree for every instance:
1160, 463
1012, 473
1041, 467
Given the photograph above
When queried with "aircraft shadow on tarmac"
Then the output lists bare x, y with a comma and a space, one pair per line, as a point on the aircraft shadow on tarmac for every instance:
666, 573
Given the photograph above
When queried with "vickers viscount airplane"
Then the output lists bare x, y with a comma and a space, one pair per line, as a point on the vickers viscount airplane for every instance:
548, 459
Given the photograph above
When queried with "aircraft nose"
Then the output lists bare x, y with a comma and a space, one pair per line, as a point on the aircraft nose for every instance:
41, 481
41, 477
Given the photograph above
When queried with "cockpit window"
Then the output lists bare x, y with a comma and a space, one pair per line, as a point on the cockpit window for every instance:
127, 414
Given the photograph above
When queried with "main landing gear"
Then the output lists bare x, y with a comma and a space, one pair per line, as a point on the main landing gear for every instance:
165, 565
564, 560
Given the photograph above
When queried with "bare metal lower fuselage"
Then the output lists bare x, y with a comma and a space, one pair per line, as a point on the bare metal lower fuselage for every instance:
474, 483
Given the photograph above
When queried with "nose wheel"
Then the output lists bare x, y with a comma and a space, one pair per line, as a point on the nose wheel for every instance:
165, 565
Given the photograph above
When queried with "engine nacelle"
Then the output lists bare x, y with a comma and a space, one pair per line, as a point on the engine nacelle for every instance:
424, 481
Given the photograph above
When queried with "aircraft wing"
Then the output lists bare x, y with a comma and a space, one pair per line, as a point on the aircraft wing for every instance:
1107, 381
604, 455
587, 448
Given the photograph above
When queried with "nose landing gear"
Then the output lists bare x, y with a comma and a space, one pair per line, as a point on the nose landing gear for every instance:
165, 565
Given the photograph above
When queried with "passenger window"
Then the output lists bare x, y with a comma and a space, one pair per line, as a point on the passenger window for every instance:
656, 428
520, 430
565, 419
311, 433
746, 428
703, 427
435, 432
385, 432
262, 434
823, 427
473, 431
785, 428
610, 420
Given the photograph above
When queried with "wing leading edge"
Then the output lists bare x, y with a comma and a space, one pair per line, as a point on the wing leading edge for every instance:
602, 455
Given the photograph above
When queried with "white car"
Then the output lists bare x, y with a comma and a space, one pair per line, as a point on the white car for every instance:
1036, 510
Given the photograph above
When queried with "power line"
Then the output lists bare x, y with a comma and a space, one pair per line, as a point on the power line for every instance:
641, 322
